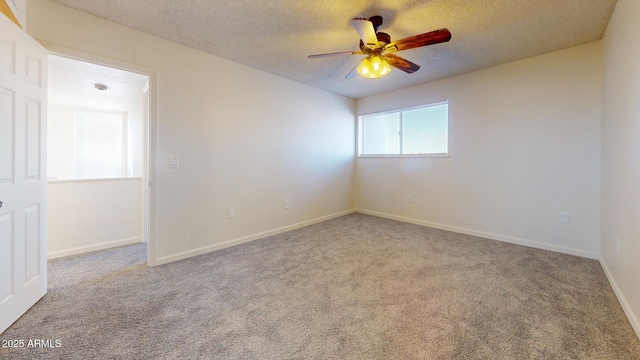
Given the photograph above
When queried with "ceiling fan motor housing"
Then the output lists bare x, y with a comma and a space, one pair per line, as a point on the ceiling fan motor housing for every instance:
383, 38
376, 21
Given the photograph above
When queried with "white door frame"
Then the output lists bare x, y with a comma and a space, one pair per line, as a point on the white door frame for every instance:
150, 136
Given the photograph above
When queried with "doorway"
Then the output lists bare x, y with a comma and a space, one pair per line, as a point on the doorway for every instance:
99, 176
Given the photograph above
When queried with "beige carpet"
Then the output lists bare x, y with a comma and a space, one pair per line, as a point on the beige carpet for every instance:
356, 287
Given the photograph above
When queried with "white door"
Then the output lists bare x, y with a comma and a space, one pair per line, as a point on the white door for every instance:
23, 93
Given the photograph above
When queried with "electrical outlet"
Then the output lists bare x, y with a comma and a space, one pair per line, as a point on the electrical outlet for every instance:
563, 217
231, 213
287, 204
410, 199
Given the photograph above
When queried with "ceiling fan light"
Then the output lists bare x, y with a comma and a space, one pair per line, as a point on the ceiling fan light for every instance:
374, 67
364, 67
375, 63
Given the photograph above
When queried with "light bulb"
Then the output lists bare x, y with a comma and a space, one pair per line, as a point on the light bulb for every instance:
375, 62
364, 68
374, 67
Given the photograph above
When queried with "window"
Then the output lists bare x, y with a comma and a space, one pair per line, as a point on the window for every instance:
414, 131
99, 144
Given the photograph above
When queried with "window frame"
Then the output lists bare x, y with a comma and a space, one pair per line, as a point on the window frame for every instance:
78, 139
361, 129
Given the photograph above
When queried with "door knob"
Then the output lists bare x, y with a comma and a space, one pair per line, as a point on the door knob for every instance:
1, 203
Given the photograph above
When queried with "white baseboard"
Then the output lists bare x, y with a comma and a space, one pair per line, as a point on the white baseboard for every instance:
94, 247
633, 318
504, 238
245, 239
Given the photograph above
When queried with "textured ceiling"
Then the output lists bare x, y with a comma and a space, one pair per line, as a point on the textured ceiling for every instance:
276, 36
71, 83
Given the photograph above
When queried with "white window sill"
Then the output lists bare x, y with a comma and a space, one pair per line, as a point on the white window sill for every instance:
404, 156
57, 181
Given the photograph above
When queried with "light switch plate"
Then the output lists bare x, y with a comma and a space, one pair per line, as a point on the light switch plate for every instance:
174, 162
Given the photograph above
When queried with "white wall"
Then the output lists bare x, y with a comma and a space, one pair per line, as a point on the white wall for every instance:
246, 139
621, 157
135, 134
59, 142
90, 215
524, 145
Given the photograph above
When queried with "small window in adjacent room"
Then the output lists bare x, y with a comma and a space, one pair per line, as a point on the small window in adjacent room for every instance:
99, 144
417, 131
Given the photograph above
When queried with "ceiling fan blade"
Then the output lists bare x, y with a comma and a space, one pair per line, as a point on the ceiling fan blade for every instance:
401, 63
366, 31
335, 54
354, 71
430, 38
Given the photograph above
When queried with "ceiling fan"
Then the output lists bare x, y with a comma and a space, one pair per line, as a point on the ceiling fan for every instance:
380, 49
